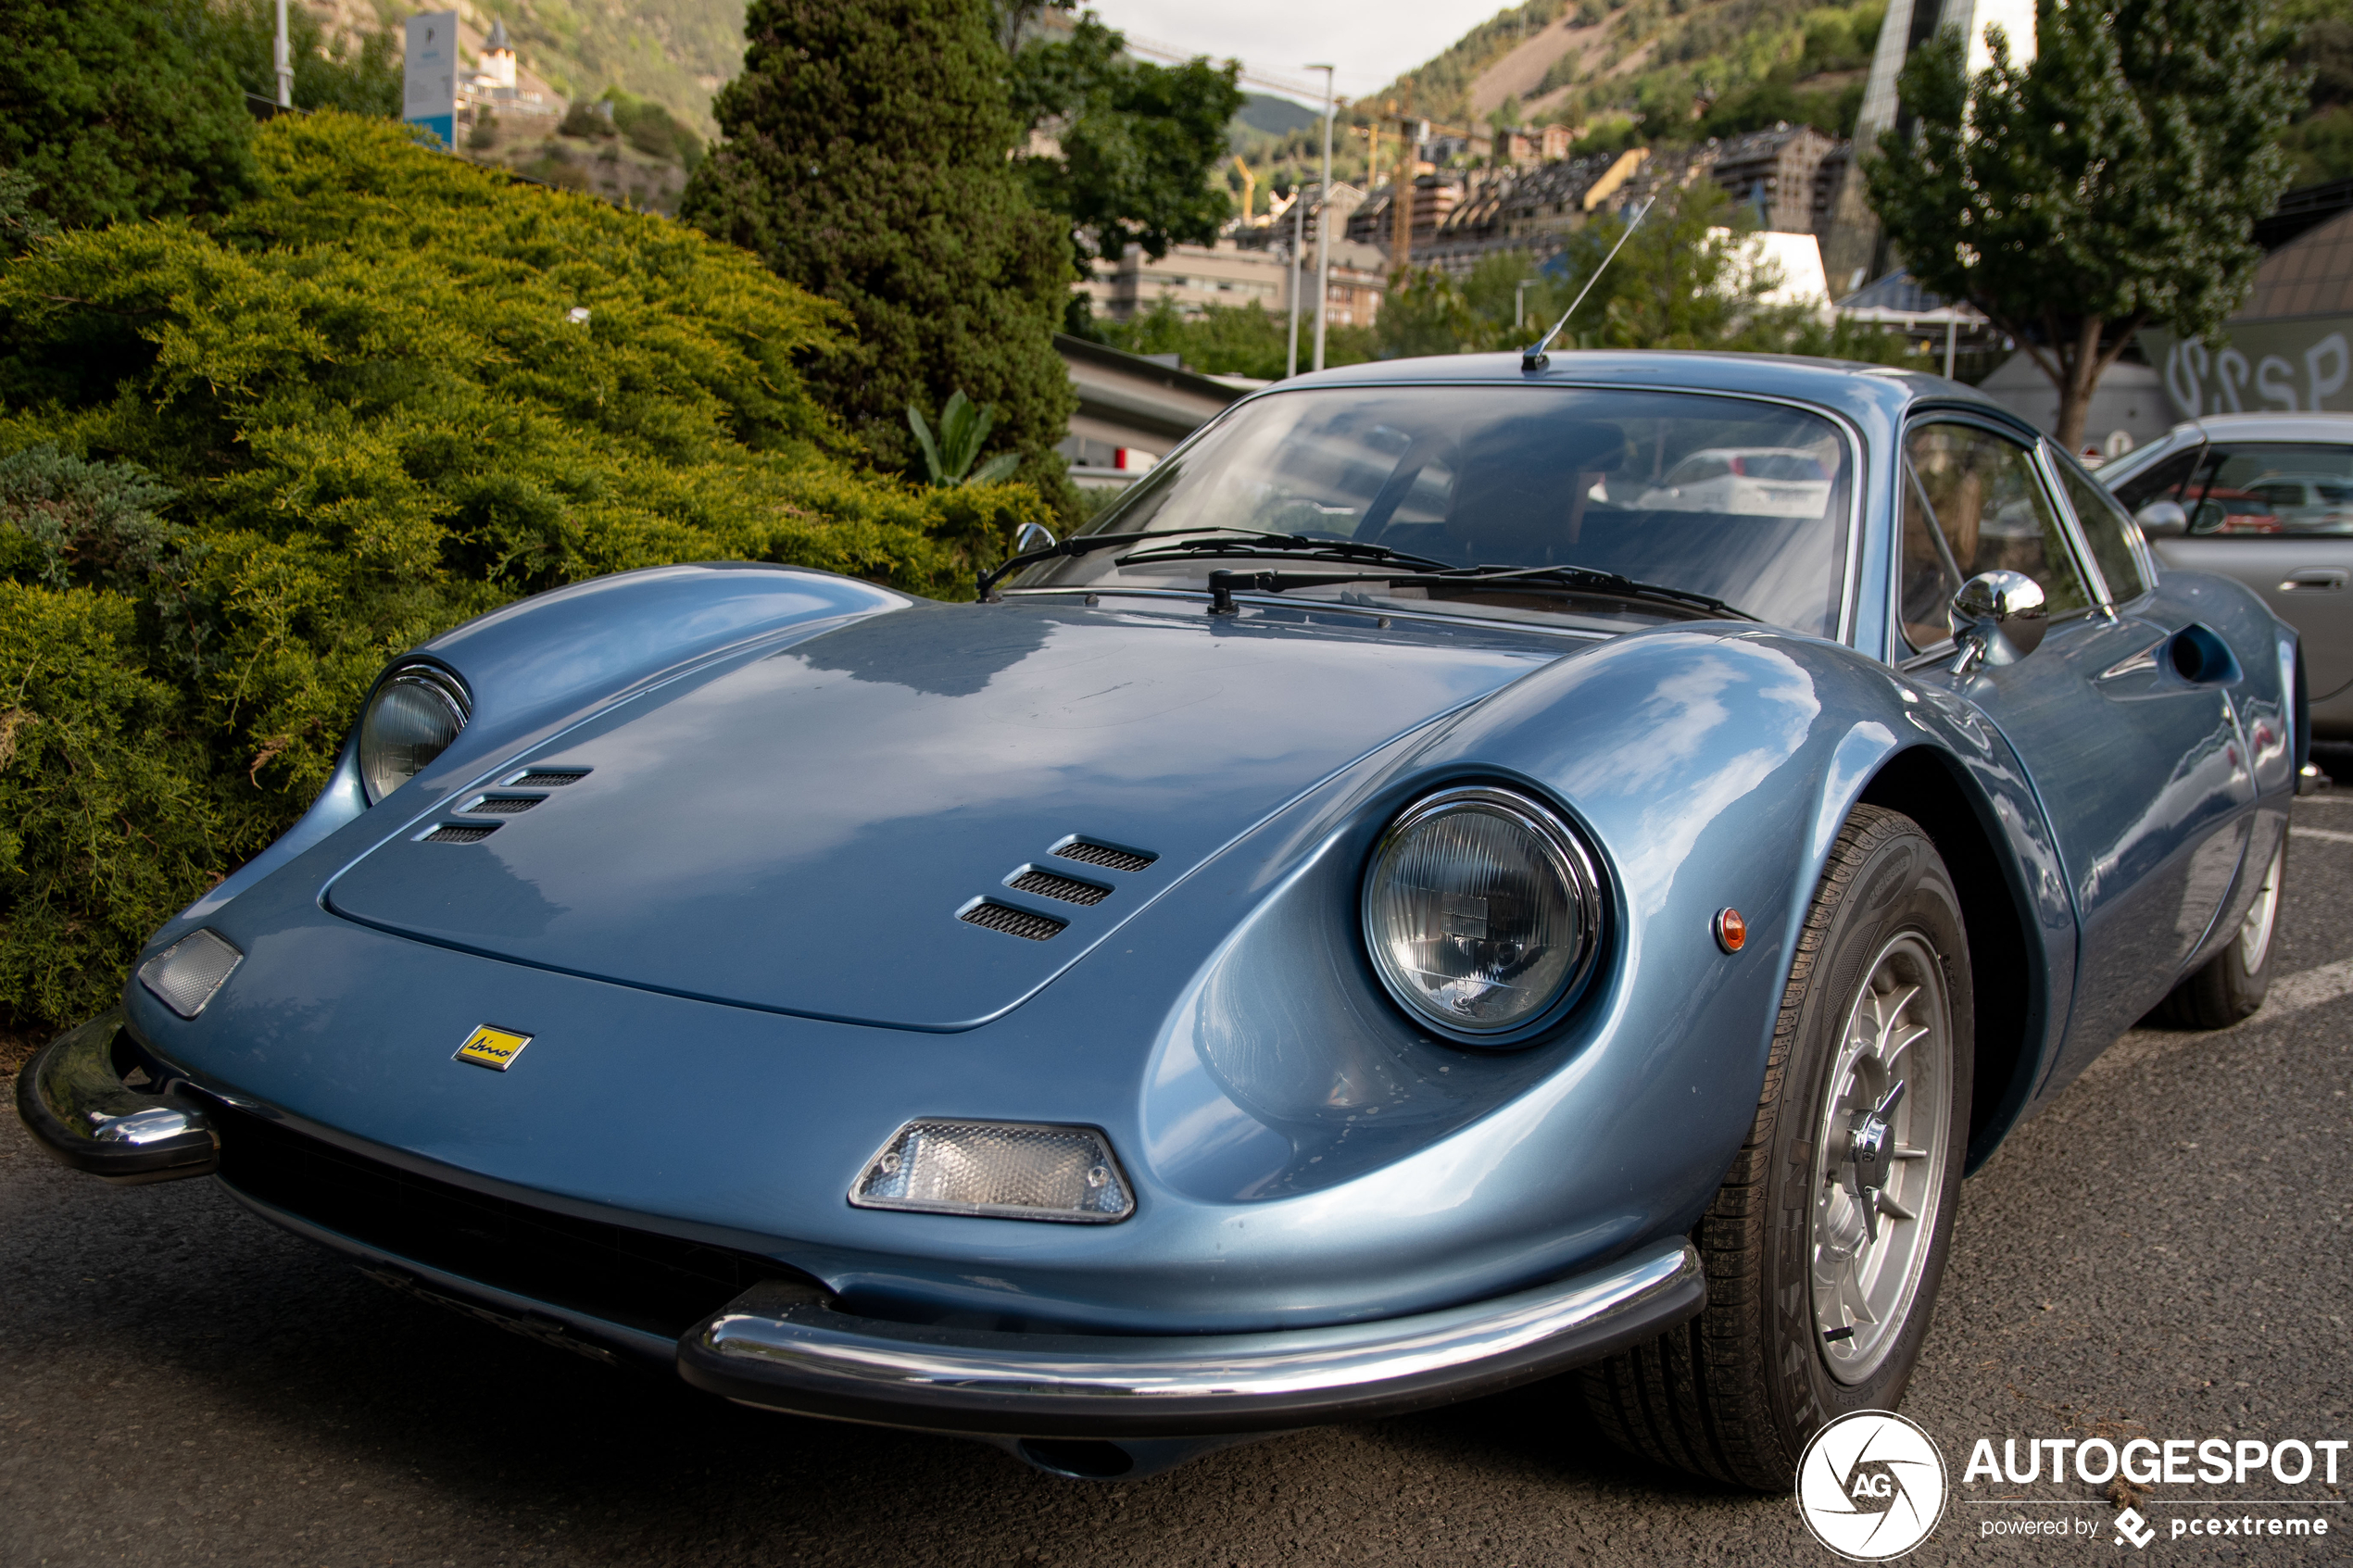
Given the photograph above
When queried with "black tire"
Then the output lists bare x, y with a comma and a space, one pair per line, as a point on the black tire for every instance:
2229, 987
1736, 1393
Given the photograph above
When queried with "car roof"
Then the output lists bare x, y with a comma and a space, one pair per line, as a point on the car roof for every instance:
1849, 386
2268, 427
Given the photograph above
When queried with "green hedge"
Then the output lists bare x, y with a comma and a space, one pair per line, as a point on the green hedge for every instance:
245, 460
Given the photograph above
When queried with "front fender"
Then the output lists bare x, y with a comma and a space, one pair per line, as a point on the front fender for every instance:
1709, 768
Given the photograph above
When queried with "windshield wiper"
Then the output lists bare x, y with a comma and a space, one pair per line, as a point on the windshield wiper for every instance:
1610, 583
1087, 544
1288, 545
1571, 578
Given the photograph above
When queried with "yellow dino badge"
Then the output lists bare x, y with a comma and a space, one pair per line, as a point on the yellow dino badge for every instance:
496, 1048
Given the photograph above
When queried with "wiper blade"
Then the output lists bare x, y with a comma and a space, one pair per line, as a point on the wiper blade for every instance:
1087, 544
1612, 583
1290, 545
1574, 579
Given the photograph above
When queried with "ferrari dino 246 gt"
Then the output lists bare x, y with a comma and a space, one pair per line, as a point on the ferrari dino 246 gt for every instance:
1471, 870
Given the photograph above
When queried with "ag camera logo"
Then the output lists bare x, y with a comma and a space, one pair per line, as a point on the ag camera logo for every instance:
1871, 1485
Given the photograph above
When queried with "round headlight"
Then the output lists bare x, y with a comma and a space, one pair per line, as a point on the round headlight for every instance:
1482, 912
416, 712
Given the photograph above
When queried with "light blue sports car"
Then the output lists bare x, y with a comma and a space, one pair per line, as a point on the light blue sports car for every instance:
1473, 868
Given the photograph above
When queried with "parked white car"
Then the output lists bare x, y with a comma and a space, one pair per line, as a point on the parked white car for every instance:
1756, 481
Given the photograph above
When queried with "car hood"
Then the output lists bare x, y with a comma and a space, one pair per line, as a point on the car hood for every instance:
800, 830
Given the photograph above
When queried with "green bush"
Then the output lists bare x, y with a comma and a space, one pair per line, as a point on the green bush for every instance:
251, 458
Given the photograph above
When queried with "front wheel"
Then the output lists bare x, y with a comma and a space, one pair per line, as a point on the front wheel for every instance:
1825, 1245
2231, 984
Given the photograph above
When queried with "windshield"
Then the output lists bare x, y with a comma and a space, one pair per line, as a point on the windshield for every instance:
1730, 498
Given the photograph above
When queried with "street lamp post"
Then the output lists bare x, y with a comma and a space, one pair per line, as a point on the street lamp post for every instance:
1297, 243
1323, 224
285, 62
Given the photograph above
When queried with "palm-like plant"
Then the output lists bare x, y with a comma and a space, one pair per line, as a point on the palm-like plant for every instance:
962, 429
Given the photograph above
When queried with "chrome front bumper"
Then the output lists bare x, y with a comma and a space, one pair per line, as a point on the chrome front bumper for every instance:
785, 1349
72, 1096
788, 1346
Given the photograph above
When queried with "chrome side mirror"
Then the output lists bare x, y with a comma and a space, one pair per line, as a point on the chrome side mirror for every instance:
2163, 519
1033, 536
1998, 618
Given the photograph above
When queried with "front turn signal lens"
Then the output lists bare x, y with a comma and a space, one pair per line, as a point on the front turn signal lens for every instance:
185, 975
997, 1171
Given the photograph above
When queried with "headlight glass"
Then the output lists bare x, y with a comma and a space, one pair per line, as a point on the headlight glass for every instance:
416, 712
1481, 910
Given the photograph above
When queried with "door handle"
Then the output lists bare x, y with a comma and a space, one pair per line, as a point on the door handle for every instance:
2309, 579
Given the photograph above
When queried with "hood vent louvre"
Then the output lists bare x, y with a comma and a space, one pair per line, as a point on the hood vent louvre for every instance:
1013, 922
1068, 889
1103, 855
537, 780
501, 805
460, 832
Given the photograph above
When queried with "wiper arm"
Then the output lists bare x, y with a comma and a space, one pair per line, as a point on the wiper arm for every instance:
1577, 579
1290, 545
1087, 544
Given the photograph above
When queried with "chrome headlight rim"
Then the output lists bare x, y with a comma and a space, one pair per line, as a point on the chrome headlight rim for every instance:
439, 682
1564, 850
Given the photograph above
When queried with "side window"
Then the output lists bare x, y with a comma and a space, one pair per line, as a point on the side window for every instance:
1929, 578
2269, 490
2108, 528
2164, 480
1989, 505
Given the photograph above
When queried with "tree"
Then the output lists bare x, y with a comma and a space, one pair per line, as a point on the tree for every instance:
1136, 141
389, 391
1226, 340
116, 110
866, 161
1679, 281
2107, 187
362, 79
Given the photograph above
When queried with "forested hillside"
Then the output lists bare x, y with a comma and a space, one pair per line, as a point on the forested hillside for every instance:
1675, 70
676, 52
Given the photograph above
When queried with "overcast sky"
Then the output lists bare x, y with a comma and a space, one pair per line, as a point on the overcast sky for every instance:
1372, 42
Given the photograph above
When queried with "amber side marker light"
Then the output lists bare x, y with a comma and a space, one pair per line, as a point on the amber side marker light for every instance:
1731, 930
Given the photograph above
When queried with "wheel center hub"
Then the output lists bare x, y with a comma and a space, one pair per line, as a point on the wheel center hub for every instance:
1870, 1155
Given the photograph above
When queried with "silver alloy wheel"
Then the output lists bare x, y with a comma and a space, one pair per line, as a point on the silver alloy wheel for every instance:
2254, 931
1879, 1157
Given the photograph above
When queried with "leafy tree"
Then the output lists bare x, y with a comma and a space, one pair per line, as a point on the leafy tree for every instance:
2107, 187
1227, 340
1680, 281
1137, 141
865, 160
388, 392
22, 221
243, 33
117, 110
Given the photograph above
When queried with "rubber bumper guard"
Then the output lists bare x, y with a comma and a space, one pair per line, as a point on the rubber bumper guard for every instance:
72, 1096
788, 1347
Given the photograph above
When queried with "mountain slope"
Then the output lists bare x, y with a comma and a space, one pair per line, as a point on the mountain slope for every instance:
1663, 62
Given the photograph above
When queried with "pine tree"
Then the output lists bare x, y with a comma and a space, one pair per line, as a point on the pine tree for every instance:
116, 110
2107, 187
866, 160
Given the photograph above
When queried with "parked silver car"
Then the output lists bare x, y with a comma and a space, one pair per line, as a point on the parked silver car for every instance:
2265, 498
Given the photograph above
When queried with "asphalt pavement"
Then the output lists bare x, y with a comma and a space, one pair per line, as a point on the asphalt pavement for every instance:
2166, 1252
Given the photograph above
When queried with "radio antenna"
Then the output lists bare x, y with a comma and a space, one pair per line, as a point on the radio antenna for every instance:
1535, 358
